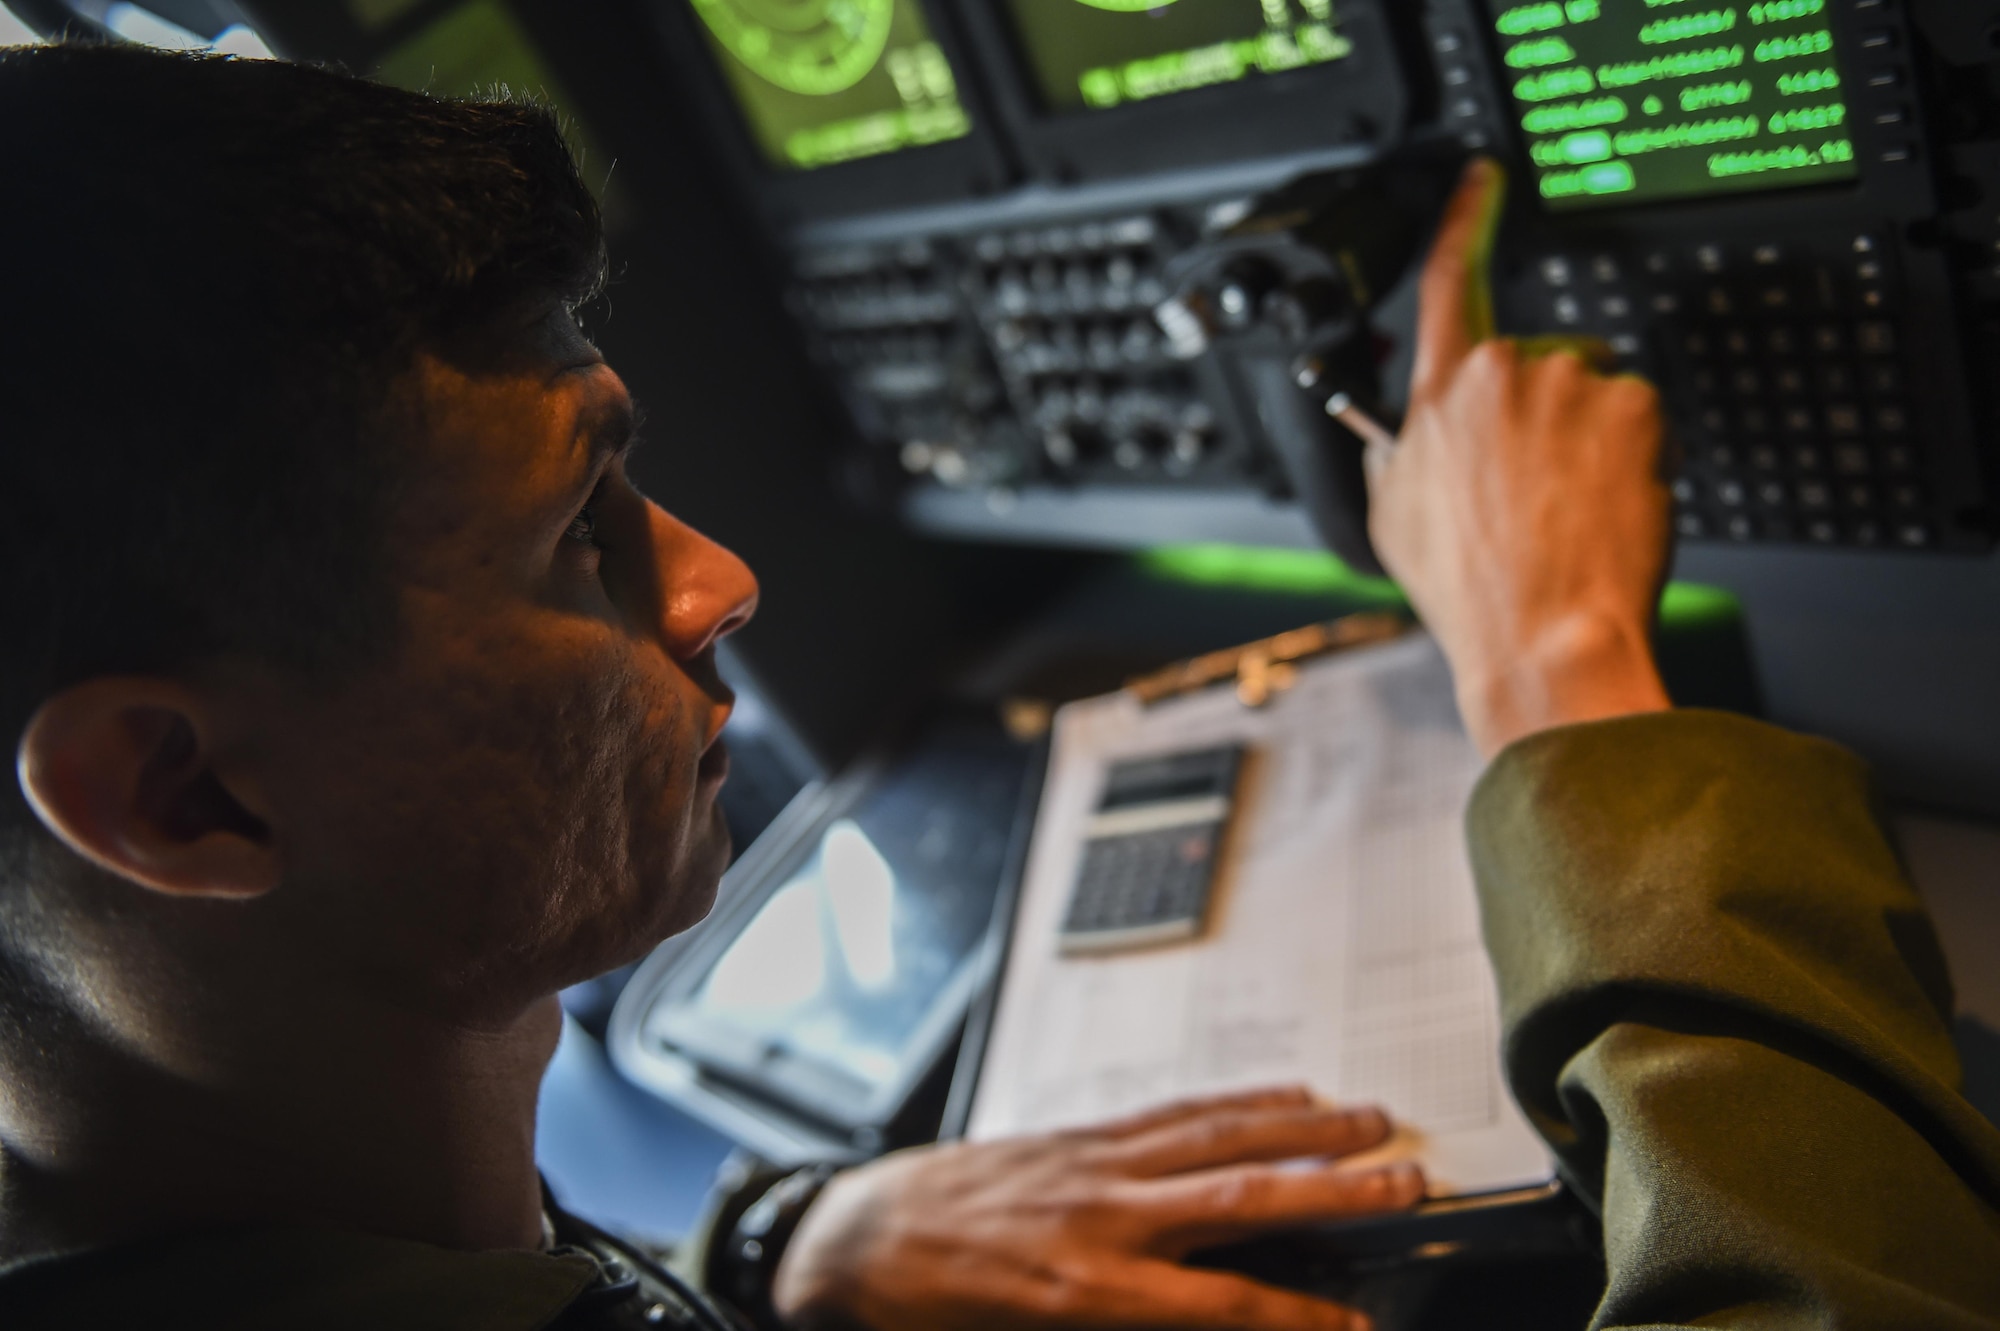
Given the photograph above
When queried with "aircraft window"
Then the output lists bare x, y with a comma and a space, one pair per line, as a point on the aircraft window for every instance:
13, 32
137, 24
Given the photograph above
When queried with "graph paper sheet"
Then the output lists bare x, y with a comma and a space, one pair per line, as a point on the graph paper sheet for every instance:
1343, 947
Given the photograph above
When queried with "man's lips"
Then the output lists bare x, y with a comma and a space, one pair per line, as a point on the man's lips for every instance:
725, 707
714, 765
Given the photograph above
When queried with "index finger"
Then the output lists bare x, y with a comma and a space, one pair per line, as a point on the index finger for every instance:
1267, 1097
1240, 1136
1191, 1211
1455, 301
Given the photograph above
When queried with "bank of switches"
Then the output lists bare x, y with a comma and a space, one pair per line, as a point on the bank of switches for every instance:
1032, 356
1785, 375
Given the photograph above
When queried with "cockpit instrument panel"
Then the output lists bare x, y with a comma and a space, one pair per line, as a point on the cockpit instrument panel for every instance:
1784, 212
828, 81
1098, 54
1626, 102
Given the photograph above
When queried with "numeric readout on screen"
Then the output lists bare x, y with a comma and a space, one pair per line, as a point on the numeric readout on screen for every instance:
1633, 100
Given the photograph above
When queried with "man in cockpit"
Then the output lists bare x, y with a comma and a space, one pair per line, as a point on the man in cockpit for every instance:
361, 703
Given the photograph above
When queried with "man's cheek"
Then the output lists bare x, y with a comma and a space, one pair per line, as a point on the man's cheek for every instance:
532, 755
634, 803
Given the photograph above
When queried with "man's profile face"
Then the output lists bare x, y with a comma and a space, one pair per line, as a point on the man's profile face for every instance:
525, 794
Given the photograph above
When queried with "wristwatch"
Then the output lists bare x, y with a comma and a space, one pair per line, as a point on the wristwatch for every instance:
750, 1257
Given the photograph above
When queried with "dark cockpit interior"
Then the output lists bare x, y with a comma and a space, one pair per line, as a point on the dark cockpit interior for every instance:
1009, 340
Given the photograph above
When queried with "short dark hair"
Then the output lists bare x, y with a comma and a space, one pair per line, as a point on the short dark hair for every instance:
214, 271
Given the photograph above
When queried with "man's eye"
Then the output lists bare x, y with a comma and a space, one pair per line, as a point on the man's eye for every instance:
583, 527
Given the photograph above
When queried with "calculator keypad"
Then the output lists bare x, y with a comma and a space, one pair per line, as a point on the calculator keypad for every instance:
1144, 880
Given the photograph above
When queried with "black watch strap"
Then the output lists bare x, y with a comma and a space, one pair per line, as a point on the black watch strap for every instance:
749, 1260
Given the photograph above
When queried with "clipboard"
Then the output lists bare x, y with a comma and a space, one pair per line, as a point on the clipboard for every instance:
1354, 737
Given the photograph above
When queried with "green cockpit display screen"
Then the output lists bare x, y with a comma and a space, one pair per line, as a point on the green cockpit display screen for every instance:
1093, 54
1627, 101
825, 81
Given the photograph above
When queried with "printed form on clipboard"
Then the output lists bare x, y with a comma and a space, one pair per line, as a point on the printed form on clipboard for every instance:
1341, 947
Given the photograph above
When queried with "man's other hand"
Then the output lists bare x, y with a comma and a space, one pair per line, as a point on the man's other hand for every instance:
1522, 509
1086, 1228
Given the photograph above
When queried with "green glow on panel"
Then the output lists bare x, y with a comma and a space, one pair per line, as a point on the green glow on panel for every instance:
1208, 66
1096, 54
1317, 573
1257, 568
827, 81
1687, 604
1750, 60
814, 59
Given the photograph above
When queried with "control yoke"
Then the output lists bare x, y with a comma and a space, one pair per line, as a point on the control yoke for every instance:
1284, 298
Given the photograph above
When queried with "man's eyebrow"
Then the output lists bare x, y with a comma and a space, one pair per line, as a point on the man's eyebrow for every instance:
613, 430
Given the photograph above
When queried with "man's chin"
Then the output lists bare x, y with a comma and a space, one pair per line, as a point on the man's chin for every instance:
670, 898
694, 895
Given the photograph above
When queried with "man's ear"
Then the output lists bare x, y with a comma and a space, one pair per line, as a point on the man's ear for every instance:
124, 771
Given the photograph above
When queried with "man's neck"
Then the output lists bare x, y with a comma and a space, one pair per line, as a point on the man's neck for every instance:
364, 1119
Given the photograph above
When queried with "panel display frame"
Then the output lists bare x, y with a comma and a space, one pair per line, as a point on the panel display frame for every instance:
1358, 104
941, 172
661, 1039
1706, 87
1892, 200
1895, 186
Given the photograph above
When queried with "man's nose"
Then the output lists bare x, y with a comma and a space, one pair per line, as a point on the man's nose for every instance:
707, 593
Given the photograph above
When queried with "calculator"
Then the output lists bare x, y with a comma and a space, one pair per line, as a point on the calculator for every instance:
1151, 849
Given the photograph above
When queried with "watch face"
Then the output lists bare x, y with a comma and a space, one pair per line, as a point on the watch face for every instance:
813, 47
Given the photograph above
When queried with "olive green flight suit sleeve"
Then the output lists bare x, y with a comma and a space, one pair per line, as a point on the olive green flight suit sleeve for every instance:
1727, 1012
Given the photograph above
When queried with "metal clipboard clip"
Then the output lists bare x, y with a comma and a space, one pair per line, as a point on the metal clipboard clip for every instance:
1265, 669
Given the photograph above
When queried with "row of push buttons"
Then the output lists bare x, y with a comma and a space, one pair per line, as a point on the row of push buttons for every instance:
1068, 316
1884, 104
1106, 267
1466, 102
892, 321
1767, 279
1782, 366
1867, 532
875, 288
